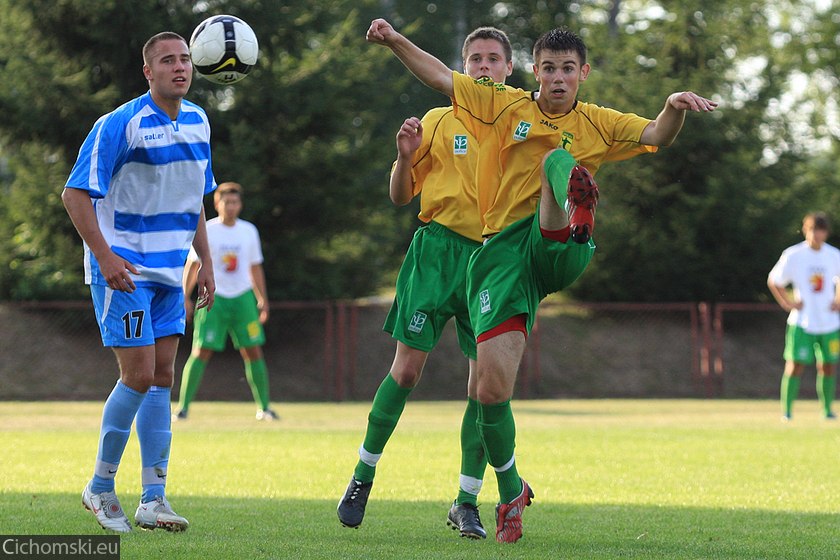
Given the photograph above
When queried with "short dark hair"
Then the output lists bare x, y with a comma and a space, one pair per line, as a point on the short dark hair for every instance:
560, 39
227, 188
489, 33
820, 220
155, 39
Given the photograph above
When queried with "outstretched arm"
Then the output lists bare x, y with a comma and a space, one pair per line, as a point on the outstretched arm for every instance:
426, 67
409, 137
663, 130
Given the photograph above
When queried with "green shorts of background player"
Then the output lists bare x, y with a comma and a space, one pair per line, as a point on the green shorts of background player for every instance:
237, 317
803, 349
431, 290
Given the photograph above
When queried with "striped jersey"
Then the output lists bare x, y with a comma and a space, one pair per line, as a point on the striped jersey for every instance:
443, 169
514, 134
146, 175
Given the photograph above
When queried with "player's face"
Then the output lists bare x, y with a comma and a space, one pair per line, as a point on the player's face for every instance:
486, 59
815, 237
229, 207
559, 74
169, 69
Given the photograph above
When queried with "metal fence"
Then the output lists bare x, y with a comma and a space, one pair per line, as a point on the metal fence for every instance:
336, 350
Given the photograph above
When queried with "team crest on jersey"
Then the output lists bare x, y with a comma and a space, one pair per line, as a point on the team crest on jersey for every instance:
566, 140
521, 132
817, 281
484, 299
459, 145
418, 320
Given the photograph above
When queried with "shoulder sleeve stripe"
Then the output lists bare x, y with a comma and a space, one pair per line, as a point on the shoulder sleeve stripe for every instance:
432, 139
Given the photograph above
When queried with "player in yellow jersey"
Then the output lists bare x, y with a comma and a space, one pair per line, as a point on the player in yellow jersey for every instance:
437, 158
530, 145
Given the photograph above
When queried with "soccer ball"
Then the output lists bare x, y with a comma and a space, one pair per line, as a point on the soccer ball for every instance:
223, 49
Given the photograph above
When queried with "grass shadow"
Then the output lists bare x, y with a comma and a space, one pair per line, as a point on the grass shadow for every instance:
262, 528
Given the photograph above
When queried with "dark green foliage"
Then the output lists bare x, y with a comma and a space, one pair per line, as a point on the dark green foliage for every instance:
310, 134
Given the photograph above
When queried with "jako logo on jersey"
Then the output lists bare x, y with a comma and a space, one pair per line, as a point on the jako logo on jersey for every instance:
459, 145
521, 131
550, 125
567, 140
484, 298
418, 320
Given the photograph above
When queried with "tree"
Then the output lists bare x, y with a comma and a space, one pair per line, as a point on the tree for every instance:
700, 220
304, 134
310, 134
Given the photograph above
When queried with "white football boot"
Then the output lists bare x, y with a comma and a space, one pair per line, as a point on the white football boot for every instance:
158, 514
107, 509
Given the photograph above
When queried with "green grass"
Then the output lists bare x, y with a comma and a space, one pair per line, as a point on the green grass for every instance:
613, 479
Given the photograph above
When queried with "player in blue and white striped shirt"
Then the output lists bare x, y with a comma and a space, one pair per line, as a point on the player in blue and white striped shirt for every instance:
135, 196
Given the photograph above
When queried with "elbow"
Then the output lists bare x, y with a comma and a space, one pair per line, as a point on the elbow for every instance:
400, 200
65, 197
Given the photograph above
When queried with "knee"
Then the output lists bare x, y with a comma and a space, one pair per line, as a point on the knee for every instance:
407, 376
490, 390
139, 381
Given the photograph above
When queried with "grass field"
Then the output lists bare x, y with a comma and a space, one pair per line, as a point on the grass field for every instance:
652, 479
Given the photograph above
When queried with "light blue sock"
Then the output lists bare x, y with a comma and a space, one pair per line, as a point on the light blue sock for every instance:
117, 416
154, 431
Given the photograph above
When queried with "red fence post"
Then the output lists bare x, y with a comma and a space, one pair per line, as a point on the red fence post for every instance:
329, 346
341, 350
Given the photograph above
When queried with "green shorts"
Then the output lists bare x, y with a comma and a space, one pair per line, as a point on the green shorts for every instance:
515, 269
804, 348
432, 288
235, 316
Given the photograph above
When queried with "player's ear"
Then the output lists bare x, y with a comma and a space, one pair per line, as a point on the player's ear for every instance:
584, 71
147, 72
536, 71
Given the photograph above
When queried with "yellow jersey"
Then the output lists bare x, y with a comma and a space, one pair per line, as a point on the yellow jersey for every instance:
443, 170
513, 135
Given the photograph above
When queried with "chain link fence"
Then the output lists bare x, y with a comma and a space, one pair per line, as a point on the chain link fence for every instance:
335, 351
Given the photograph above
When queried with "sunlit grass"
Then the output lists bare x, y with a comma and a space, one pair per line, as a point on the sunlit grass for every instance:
631, 479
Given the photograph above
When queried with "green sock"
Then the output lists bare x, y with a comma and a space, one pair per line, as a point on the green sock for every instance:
558, 167
473, 458
790, 389
388, 404
826, 387
190, 380
257, 374
498, 434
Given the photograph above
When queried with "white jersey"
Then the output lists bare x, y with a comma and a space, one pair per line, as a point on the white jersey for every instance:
146, 175
234, 250
813, 274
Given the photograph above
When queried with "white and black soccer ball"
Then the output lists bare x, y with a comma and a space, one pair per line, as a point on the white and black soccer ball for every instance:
224, 49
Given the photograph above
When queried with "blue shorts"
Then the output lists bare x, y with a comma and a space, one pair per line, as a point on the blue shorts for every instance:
138, 318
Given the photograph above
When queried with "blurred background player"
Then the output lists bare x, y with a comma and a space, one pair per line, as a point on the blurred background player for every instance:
137, 204
812, 269
528, 180
436, 159
241, 307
